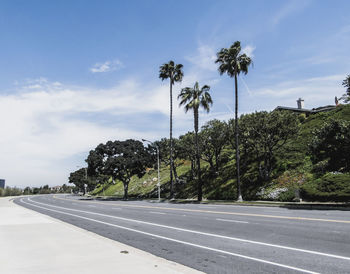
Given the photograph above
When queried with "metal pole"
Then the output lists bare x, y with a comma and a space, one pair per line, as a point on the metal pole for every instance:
86, 180
158, 173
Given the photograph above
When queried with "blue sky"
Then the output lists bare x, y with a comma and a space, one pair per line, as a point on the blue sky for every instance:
78, 73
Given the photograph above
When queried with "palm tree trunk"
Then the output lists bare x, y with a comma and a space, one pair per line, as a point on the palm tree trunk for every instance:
171, 140
199, 181
239, 194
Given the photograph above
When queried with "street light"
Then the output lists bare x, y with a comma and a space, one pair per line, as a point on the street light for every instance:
157, 148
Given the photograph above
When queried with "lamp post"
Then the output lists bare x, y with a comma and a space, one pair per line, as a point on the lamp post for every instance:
157, 148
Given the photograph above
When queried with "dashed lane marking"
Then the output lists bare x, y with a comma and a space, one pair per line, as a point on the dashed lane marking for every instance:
232, 221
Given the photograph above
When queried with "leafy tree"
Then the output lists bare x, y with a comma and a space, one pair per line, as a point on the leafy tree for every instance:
346, 84
213, 136
27, 191
193, 99
187, 149
233, 63
330, 146
164, 154
120, 160
95, 160
78, 178
174, 73
263, 134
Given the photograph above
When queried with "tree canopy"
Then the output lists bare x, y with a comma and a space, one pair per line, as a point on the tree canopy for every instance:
330, 146
120, 160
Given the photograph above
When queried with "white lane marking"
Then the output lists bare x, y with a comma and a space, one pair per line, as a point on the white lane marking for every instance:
232, 221
155, 212
91, 206
202, 233
118, 208
175, 240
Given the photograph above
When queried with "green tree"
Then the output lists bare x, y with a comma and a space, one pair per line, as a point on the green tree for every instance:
346, 84
232, 62
120, 160
263, 134
27, 191
193, 99
78, 178
164, 154
187, 149
213, 137
330, 146
174, 73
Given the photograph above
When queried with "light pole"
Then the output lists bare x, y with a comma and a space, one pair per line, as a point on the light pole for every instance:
157, 148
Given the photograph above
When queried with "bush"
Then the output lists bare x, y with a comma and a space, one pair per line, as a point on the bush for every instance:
330, 187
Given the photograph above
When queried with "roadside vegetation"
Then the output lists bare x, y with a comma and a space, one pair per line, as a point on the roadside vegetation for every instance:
278, 155
16, 191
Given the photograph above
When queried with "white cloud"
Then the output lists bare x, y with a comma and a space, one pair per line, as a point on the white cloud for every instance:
288, 9
106, 66
316, 91
249, 50
204, 58
47, 126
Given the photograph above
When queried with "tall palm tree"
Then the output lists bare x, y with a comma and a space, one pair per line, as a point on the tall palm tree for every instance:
174, 73
232, 62
193, 99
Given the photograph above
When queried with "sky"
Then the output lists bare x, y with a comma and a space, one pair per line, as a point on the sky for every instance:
75, 74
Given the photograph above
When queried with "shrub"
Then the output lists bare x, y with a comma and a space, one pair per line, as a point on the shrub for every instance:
330, 187
286, 196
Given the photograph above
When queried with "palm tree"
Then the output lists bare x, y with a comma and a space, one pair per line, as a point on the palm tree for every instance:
233, 63
193, 98
174, 73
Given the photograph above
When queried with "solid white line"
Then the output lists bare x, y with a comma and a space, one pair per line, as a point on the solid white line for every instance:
155, 212
91, 206
116, 208
176, 241
202, 233
232, 221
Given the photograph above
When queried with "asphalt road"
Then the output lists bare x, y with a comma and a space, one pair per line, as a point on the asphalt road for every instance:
214, 238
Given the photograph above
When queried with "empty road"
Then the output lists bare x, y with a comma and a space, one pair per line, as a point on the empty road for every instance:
214, 238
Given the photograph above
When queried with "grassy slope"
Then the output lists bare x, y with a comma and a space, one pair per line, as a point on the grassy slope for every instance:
222, 184
145, 186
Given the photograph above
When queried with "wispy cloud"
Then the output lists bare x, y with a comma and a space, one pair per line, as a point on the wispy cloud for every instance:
292, 7
106, 66
204, 58
316, 91
249, 50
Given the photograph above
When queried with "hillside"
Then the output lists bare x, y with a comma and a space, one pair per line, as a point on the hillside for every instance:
293, 158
